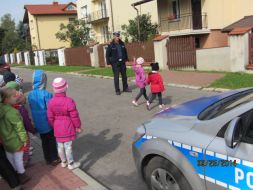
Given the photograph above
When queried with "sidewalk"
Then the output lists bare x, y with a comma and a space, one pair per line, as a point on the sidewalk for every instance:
46, 177
191, 78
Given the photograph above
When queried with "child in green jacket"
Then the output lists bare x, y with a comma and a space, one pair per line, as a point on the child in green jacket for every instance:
12, 132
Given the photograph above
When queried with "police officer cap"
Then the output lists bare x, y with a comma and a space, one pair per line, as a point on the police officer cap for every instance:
117, 33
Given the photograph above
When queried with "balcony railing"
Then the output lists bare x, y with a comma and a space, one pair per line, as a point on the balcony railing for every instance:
184, 22
97, 15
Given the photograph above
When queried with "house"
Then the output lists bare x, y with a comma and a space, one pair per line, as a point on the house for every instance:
106, 16
44, 22
202, 19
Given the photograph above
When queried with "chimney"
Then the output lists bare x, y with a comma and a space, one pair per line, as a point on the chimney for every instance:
55, 3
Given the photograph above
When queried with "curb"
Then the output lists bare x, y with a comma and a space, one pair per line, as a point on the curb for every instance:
129, 79
92, 184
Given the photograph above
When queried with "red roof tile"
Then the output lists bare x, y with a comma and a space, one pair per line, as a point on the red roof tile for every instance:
246, 21
51, 9
239, 31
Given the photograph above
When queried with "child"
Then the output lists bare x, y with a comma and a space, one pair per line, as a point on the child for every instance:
38, 99
9, 76
12, 133
156, 85
64, 118
25, 116
140, 79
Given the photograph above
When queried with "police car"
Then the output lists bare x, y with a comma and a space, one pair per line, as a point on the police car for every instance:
206, 143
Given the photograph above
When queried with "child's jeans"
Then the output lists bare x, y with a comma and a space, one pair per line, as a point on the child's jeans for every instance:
142, 92
6, 169
153, 96
65, 151
16, 160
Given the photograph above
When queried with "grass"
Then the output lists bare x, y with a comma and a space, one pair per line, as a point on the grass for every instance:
57, 68
234, 80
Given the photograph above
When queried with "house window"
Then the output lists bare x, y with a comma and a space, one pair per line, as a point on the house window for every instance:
71, 8
84, 12
103, 8
71, 20
175, 9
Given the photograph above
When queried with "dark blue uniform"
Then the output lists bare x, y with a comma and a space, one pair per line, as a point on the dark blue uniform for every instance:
116, 56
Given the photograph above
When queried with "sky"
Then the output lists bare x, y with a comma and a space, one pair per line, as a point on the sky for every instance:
16, 7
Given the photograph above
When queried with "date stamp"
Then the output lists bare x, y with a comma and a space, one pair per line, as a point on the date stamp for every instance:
216, 163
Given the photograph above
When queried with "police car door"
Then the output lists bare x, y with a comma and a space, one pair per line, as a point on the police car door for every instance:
231, 168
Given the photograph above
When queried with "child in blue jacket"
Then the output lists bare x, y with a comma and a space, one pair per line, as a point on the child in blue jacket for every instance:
38, 99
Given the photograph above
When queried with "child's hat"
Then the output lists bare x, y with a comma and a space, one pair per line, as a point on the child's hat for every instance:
59, 85
140, 60
154, 66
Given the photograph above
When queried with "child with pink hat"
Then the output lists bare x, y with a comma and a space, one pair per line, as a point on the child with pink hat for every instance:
140, 79
64, 118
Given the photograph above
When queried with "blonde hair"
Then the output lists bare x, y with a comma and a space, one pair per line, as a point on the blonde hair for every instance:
6, 93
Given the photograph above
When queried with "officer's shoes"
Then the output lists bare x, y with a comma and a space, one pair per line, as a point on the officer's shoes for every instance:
127, 90
118, 93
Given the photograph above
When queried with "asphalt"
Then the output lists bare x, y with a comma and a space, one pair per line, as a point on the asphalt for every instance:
109, 122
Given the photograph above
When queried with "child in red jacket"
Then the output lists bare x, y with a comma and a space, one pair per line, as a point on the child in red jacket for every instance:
156, 85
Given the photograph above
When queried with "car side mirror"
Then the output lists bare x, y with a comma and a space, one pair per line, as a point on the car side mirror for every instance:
233, 134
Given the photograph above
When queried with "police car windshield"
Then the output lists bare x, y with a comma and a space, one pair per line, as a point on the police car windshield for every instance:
226, 104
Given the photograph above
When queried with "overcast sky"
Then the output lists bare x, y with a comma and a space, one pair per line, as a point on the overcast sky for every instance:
16, 7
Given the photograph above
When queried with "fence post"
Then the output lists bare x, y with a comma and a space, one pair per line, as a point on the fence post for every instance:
239, 52
94, 56
36, 58
42, 58
12, 58
161, 51
27, 58
7, 58
19, 58
61, 57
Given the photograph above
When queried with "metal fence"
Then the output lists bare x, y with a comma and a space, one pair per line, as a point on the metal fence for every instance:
181, 52
79, 56
141, 49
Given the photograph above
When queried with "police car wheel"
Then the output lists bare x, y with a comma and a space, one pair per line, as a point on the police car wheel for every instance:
161, 174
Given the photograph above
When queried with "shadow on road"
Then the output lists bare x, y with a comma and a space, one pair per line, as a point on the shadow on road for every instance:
91, 148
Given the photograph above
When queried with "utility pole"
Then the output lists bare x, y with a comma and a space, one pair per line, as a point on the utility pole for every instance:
138, 22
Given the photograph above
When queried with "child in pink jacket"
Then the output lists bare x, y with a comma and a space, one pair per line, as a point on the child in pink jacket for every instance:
140, 79
64, 118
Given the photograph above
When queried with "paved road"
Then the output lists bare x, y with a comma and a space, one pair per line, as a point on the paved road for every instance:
109, 123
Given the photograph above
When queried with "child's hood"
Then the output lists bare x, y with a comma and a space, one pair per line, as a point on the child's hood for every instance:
4, 109
39, 79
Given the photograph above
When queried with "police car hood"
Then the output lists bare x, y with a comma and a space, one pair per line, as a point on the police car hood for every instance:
183, 117
194, 107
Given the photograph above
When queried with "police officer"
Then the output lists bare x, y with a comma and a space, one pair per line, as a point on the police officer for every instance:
116, 56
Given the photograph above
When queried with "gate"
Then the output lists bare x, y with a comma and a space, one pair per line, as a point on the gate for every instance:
181, 52
79, 56
141, 49
101, 55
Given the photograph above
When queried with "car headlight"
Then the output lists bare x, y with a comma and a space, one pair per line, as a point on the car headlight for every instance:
141, 131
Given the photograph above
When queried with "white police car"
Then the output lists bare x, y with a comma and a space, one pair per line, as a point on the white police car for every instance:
205, 143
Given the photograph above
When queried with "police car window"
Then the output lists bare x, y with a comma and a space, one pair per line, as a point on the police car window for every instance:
247, 127
226, 104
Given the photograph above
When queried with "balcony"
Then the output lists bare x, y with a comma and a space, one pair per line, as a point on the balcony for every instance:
184, 22
98, 16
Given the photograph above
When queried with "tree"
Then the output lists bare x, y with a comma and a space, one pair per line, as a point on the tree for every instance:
147, 29
12, 37
76, 32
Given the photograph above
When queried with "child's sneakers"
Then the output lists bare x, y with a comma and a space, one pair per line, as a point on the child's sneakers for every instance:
161, 106
64, 164
134, 103
148, 104
74, 165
